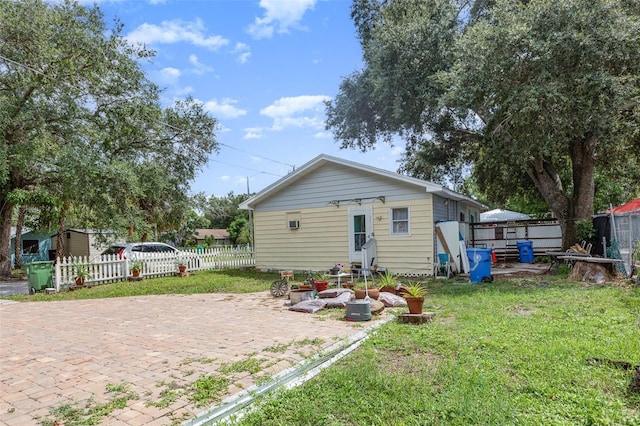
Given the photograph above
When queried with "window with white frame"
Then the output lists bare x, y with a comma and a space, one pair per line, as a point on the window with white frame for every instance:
400, 221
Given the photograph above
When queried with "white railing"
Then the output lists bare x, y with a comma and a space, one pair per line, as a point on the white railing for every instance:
111, 268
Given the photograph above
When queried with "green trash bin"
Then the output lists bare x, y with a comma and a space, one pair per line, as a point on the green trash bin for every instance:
40, 275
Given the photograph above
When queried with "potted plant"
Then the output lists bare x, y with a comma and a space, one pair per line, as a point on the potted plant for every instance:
361, 290
182, 265
321, 281
136, 267
414, 294
81, 274
388, 282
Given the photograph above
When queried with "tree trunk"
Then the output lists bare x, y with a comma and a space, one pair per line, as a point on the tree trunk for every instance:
568, 208
17, 262
6, 210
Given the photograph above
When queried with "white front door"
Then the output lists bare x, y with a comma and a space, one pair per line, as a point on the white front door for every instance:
360, 230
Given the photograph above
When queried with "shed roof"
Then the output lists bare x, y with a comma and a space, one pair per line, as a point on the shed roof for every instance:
218, 234
632, 206
324, 159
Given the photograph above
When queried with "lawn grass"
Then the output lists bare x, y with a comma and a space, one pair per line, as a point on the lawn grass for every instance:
505, 353
218, 281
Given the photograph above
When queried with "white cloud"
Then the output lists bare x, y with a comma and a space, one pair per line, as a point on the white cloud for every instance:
225, 178
279, 16
243, 52
176, 31
253, 133
299, 111
198, 67
323, 135
185, 91
166, 76
224, 109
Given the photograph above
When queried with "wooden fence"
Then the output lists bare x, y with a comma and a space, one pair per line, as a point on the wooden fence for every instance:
111, 268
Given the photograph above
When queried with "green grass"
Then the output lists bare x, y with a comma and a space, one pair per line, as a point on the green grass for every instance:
220, 281
511, 352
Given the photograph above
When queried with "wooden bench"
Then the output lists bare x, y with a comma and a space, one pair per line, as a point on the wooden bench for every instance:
588, 267
555, 259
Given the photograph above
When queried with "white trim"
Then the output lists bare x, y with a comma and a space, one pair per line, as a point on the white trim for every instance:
396, 234
367, 211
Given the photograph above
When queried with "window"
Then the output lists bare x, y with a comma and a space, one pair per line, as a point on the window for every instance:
30, 246
400, 221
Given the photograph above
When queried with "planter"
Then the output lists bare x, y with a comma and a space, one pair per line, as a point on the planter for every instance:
348, 285
296, 296
305, 287
182, 268
373, 293
321, 285
135, 273
79, 282
391, 290
415, 304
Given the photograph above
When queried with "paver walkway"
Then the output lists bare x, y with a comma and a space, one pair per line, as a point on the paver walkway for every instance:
53, 353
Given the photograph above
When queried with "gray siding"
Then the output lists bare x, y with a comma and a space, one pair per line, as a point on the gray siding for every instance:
336, 182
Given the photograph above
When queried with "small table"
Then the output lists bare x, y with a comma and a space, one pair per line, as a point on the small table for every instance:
339, 276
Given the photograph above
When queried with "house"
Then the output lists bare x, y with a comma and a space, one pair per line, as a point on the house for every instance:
35, 246
82, 242
221, 236
326, 211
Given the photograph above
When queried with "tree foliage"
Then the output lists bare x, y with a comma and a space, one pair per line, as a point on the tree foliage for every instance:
84, 137
533, 97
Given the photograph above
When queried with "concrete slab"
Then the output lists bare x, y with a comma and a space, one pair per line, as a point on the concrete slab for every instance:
12, 288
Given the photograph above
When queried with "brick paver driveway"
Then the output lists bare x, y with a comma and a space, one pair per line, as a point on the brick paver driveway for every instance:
69, 352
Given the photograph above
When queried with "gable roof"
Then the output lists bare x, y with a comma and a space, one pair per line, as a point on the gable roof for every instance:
324, 159
218, 234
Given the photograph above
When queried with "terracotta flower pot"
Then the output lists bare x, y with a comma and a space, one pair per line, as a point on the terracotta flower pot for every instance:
415, 304
79, 282
391, 290
373, 293
182, 268
321, 285
135, 273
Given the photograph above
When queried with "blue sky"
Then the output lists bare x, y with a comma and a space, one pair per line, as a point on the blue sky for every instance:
262, 68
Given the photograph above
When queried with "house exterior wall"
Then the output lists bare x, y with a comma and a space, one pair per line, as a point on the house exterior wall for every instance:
411, 254
332, 182
322, 239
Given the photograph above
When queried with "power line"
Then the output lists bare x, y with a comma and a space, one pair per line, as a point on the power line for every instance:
264, 158
247, 168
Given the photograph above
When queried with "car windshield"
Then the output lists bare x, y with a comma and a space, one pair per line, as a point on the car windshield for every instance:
113, 250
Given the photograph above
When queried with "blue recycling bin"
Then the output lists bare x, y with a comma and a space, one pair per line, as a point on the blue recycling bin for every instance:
479, 264
525, 251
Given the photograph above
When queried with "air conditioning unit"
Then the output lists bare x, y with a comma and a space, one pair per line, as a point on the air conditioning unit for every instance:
294, 224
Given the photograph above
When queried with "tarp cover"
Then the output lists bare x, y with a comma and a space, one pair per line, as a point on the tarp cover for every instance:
500, 215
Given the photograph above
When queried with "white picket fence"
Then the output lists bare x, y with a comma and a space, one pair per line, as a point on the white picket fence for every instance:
111, 268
